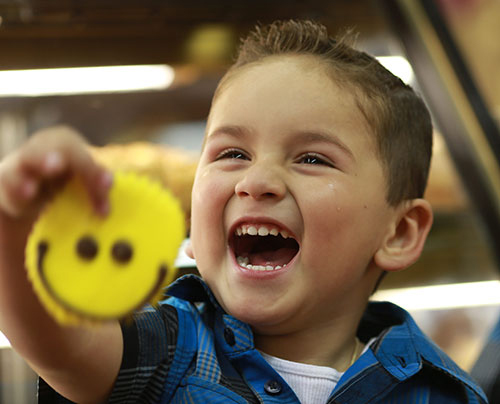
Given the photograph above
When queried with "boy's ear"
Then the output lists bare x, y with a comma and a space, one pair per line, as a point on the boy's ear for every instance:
404, 244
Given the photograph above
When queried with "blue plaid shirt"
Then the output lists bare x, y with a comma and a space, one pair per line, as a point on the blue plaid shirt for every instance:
189, 351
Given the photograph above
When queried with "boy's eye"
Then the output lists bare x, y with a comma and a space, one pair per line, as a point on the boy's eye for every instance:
314, 159
232, 154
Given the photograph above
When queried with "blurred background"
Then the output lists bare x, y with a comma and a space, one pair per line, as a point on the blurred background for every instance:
448, 50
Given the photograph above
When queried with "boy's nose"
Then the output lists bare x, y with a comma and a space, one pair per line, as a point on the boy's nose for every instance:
261, 181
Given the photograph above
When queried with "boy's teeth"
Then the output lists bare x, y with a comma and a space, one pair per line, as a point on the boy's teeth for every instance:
260, 231
263, 231
243, 262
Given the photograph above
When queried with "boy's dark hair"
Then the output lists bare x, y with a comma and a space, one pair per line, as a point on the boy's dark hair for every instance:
398, 117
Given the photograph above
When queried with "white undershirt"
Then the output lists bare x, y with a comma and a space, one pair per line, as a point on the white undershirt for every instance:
312, 384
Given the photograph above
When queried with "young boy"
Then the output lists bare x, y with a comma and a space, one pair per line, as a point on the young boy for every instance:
308, 189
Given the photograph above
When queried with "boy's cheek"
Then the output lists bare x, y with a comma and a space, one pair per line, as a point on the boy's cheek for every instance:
211, 190
207, 210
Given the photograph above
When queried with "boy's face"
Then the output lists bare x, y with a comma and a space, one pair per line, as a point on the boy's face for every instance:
287, 151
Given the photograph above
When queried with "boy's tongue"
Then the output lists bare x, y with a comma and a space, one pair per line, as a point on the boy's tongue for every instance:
281, 256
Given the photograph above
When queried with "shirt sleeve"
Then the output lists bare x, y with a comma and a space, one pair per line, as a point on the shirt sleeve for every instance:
149, 343
148, 351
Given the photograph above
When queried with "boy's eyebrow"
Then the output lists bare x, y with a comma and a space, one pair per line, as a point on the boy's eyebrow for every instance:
236, 131
320, 137
232, 130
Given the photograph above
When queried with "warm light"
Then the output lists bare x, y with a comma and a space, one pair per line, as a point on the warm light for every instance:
440, 297
183, 260
4, 342
398, 66
82, 80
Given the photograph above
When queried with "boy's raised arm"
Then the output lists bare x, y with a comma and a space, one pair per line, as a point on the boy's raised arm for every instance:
79, 363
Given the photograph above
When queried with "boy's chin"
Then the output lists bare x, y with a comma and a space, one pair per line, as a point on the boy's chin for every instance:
260, 314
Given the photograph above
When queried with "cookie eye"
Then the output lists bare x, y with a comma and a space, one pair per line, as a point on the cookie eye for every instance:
87, 248
122, 251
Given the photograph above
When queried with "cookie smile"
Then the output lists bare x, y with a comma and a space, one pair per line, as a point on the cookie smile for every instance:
43, 248
262, 247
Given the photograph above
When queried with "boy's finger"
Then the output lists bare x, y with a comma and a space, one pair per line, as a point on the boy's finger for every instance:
96, 179
61, 153
52, 156
17, 189
78, 162
48, 153
99, 183
53, 163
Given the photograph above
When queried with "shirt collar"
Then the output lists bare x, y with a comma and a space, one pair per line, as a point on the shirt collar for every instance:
394, 347
192, 289
402, 348
238, 336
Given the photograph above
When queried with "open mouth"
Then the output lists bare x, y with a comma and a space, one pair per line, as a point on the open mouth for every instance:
263, 247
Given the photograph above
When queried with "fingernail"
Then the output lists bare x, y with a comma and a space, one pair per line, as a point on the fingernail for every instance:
53, 161
106, 179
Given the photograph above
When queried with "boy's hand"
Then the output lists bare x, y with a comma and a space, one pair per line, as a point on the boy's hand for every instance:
30, 175
81, 364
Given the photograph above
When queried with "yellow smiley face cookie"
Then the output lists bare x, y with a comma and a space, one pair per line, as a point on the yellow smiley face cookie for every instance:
89, 268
